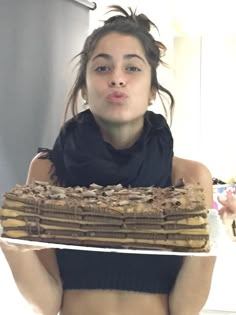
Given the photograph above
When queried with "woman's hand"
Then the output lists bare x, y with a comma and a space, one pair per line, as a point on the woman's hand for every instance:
229, 205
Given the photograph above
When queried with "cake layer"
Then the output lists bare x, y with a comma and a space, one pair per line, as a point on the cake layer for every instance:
116, 201
9, 224
188, 245
191, 219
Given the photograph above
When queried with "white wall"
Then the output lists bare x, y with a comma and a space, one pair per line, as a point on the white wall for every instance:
204, 121
218, 103
186, 127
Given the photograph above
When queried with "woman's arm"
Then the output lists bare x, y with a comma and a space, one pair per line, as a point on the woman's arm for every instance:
193, 282
36, 272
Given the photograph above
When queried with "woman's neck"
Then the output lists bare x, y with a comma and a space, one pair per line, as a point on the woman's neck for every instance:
120, 136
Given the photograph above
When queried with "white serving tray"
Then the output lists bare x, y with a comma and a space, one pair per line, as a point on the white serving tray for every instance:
219, 241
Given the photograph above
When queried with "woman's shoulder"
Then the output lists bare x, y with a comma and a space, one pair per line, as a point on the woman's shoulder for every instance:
41, 168
193, 172
190, 170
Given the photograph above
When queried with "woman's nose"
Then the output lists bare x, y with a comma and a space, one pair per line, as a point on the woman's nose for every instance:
114, 83
117, 79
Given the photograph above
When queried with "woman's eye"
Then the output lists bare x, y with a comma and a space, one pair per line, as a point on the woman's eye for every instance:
133, 69
102, 69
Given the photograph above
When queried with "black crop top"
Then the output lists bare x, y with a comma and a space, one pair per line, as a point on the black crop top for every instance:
81, 157
132, 272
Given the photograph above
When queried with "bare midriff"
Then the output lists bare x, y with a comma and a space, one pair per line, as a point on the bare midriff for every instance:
106, 302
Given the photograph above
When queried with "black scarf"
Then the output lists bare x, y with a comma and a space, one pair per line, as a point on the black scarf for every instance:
81, 156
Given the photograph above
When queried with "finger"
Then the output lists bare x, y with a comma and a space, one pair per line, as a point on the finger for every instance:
8, 246
231, 198
3, 242
222, 200
222, 212
4, 245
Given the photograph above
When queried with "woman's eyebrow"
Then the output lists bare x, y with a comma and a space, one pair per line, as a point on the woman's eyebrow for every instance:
130, 56
126, 56
104, 56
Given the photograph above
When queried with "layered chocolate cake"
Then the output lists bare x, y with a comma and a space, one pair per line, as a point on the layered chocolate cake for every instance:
170, 218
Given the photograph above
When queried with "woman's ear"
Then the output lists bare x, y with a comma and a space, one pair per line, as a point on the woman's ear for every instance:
152, 96
84, 93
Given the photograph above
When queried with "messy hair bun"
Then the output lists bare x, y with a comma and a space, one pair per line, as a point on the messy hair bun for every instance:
140, 19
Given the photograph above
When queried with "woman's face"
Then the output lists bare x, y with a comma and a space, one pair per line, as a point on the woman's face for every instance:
118, 79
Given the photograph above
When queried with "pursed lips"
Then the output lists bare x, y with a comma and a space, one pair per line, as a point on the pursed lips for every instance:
117, 96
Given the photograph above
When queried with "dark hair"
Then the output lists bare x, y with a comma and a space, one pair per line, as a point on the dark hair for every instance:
125, 23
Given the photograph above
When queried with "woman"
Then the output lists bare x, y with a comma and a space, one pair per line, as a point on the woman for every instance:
116, 141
